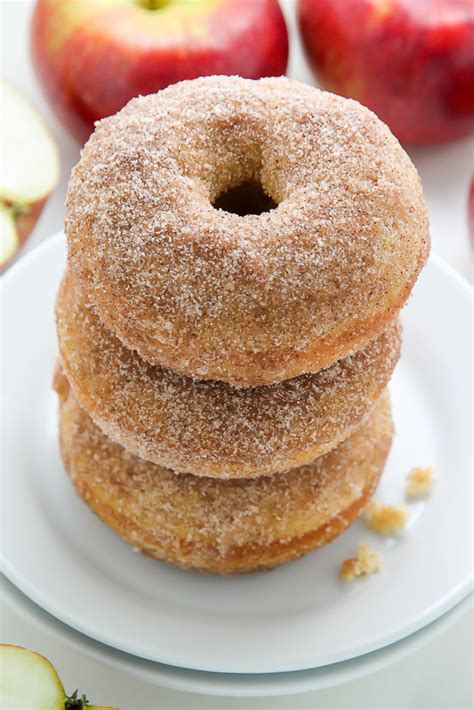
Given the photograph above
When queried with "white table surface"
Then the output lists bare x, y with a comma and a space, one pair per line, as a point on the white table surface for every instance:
436, 676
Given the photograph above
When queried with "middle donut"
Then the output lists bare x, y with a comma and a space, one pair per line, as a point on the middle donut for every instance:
208, 428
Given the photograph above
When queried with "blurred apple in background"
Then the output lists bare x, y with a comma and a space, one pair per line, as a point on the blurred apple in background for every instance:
470, 208
93, 57
410, 61
29, 170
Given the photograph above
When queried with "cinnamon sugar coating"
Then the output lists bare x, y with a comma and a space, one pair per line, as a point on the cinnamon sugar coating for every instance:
226, 527
210, 428
252, 299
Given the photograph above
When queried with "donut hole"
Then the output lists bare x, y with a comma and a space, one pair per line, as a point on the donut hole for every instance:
248, 197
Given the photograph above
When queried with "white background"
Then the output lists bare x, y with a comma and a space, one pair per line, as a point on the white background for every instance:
439, 675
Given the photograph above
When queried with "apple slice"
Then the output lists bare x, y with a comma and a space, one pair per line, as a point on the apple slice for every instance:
29, 169
28, 681
8, 233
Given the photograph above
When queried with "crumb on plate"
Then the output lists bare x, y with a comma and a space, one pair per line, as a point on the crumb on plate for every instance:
419, 482
385, 519
366, 561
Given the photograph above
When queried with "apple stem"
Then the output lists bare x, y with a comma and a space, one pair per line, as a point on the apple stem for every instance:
152, 4
72, 702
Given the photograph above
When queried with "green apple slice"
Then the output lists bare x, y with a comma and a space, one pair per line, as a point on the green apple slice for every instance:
28, 681
29, 168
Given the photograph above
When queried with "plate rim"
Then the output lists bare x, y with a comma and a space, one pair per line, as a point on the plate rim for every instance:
234, 684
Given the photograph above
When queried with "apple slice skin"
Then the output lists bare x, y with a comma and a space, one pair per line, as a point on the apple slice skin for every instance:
8, 236
410, 61
24, 222
92, 58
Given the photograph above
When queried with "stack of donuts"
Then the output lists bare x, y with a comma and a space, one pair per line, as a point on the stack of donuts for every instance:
238, 254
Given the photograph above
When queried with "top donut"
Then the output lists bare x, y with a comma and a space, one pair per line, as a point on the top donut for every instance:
250, 299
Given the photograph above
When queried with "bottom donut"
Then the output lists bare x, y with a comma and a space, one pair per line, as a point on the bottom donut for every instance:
222, 526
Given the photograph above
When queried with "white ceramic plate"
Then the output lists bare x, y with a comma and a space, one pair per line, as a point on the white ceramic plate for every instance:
18, 607
299, 616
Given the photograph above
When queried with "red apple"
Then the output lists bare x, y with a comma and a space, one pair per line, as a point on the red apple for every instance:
470, 208
410, 61
93, 57
30, 170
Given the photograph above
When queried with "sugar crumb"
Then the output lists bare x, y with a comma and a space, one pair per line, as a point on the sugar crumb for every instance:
385, 519
419, 482
366, 561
